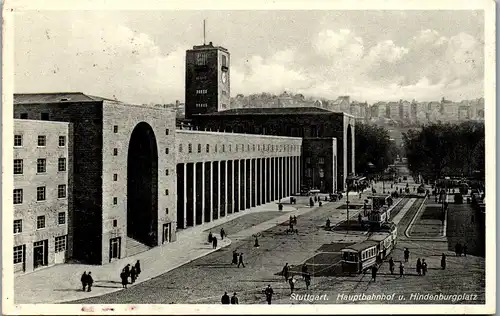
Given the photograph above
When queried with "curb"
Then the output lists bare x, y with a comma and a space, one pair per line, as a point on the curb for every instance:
407, 231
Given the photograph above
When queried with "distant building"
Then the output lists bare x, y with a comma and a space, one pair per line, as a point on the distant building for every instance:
394, 112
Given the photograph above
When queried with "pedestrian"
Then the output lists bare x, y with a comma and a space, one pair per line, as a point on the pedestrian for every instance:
443, 261
124, 278
292, 284
419, 267
269, 294
360, 218
391, 265
138, 268
424, 267
83, 279
222, 234
308, 281
295, 219
285, 271
256, 244
133, 275
235, 257
458, 250
210, 236
290, 221
464, 249
90, 281
234, 299
401, 270
407, 254
127, 270
328, 223
225, 299
241, 261
304, 271
214, 242
374, 273
320, 203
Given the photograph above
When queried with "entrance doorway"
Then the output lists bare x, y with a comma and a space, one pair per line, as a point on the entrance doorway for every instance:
142, 185
115, 248
167, 233
40, 253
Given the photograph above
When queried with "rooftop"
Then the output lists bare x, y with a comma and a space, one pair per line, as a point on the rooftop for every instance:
56, 97
270, 111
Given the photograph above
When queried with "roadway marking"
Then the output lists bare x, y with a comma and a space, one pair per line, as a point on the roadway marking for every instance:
403, 211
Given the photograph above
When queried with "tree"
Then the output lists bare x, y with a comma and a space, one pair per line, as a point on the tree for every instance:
374, 149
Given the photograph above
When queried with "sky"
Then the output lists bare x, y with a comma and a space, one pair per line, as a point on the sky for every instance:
138, 56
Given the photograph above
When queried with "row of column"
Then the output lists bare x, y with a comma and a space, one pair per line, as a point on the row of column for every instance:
208, 191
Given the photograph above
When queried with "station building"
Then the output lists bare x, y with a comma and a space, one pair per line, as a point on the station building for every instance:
135, 176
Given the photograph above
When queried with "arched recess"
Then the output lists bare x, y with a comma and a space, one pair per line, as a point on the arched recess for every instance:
349, 150
142, 185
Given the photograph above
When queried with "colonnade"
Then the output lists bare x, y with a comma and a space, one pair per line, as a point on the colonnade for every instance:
210, 190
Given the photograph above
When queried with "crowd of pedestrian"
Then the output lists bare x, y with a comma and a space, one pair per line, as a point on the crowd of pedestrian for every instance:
87, 281
132, 272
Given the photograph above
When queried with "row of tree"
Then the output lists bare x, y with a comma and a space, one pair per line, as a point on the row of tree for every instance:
375, 150
438, 150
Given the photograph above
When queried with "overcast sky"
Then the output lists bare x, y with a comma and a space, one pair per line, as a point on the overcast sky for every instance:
139, 56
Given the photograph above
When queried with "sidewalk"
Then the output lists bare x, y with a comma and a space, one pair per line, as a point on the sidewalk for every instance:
61, 283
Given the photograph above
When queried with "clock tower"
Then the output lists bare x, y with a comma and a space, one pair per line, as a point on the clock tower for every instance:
207, 80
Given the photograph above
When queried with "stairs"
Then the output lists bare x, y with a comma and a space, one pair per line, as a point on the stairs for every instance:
134, 247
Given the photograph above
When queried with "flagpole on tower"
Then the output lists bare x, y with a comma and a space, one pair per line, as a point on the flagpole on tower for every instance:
204, 33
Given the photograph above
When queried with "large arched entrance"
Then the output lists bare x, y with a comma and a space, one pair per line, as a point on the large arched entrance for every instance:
142, 185
349, 150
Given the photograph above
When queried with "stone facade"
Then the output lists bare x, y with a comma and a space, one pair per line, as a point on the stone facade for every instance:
42, 170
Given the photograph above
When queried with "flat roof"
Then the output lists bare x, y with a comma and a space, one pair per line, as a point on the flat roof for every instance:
271, 111
56, 97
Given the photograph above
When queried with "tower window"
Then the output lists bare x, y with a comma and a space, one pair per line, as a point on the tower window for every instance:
224, 61
201, 59
199, 148
166, 151
190, 148
208, 148
62, 141
167, 131
18, 140
115, 177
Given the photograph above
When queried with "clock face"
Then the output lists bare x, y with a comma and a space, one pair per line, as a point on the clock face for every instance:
224, 77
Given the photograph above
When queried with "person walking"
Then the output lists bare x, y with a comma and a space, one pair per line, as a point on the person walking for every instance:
294, 220
458, 249
127, 270
138, 268
133, 275
210, 236
234, 299
304, 271
225, 299
240, 262
401, 270
407, 254
124, 278
374, 273
307, 278
214, 242
285, 271
292, 284
222, 234
235, 257
391, 265
419, 267
424, 267
83, 279
256, 244
269, 294
443, 261
90, 281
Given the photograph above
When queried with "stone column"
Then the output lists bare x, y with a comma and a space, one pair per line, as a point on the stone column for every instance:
194, 194
203, 192
185, 195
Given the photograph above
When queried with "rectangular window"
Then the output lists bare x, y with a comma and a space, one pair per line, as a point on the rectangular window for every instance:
199, 148
115, 129
40, 222
18, 226
223, 148
61, 191
42, 140
18, 196
253, 146
166, 151
24, 116
215, 148
166, 192
18, 140
62, 141
321, 160
60, 243
208, 148
230, 147
115, 223
41, 165
18, 254
190, 148
201, 59
180, 148
115, 177
115, 201
18, 166
308, 172
115, 151
166, 172
40, 193
167, 131
224, 61
308, 160
61, 218
61, 164
166, 210
44, 116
